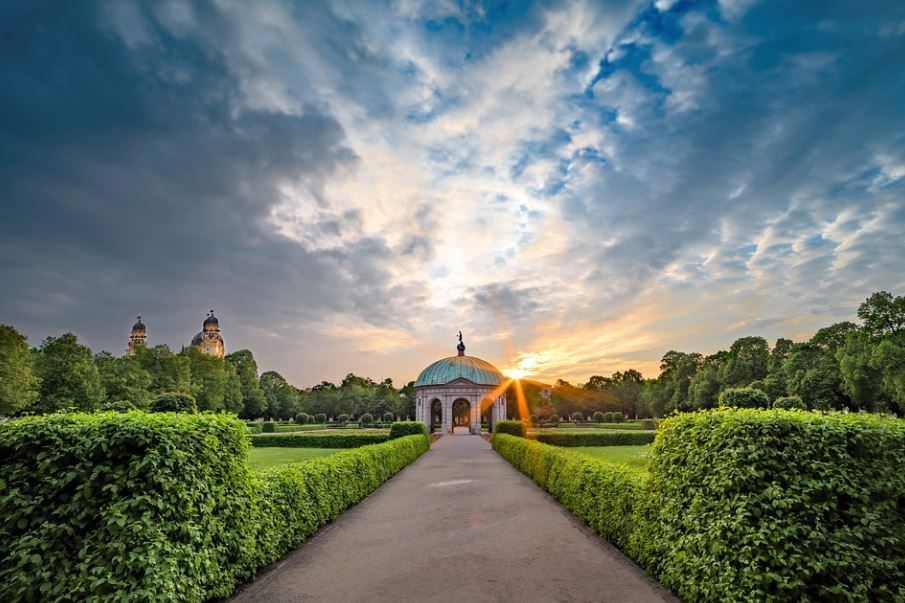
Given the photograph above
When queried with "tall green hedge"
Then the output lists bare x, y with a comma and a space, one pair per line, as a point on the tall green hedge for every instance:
403, 428
516, 428
778, 505
138, 507
318, 440
596, 438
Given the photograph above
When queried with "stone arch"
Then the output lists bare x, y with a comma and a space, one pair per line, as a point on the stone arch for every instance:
435, 413
461, 413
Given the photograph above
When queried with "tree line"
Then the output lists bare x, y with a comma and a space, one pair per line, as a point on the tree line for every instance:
847, 365
64, 375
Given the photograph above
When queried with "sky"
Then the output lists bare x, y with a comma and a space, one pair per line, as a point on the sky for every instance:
578, 187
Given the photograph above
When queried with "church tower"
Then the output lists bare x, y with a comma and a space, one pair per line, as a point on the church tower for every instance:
139, 336
209, 340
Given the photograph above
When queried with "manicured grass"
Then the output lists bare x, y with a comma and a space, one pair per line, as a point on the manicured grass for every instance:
290, 427
265, 458
632, 456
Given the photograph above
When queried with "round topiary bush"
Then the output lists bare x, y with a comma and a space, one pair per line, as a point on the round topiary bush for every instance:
269, 427
744, 397
118, 406
618, 418
599, 417
553, 421
388, 417
648, 424
320, 417
301, 418
174, 402
367, 418
790, 403
608, 417
577, 416
342, 418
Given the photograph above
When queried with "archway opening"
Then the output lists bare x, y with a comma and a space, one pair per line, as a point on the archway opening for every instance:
436, 415
461, 417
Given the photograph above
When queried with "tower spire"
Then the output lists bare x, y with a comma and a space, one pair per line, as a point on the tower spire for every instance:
461, 346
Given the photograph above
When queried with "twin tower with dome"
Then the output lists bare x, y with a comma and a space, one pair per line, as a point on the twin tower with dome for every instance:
466, 384
208, 340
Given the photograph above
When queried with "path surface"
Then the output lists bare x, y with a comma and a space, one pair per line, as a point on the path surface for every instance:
458, 524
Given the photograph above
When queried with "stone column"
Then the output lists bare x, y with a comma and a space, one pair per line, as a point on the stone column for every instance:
446, 421
475, 409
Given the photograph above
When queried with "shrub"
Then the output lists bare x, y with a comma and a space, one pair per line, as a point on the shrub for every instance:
534, 419
118, 406
577, 416
269, 427
648, 424
772, 505
318, 440
516, 428
388, 417
367, 418
174, 402
302, 418
403, 428
596, 438
599, 417
608, 417
253, 427
343, 418
617, 417
789, 403
553, 421
602, 494
320, 418
744, 397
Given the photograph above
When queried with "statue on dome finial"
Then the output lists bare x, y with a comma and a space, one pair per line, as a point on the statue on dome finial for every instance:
461, 346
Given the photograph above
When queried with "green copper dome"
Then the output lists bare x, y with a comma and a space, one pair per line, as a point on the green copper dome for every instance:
449, 369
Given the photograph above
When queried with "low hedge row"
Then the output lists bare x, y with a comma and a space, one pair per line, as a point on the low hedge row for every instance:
405, 428
748, 505
596, 438
516, 428
140, 507
318, 440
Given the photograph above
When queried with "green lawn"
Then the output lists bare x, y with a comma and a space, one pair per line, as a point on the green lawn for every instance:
264, 458
633, 456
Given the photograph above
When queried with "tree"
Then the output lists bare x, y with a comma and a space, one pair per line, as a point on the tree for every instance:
209, 379
69, 377
174, 402
747, 361
253, 402
831, 338
19, 386
597, 383
676, 371
279, 395
169, 372
889, 359
883, 314
704, 388
124, 379
862, 380
813, 375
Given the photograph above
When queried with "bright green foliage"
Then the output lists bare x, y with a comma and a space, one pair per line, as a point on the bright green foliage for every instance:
599, 417
266, 458
367, 418
211, 381
174, 402
744, 397
751, 505
69, 377
131, 507
516, 428
254, 427
789, 403
319, 440
169, 372
160, 507
268, 427
18, 383
601, 493
595, 437
118, 406
404, 428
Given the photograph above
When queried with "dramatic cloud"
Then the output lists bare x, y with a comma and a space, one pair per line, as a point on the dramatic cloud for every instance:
578, 188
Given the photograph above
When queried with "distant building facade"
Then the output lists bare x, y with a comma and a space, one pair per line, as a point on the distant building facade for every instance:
208, 340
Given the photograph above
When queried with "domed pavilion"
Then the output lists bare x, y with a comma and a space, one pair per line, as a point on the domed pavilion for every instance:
208, 339
459, 390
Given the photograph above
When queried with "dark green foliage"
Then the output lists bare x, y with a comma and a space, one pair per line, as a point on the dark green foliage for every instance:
618, 417
577, 416
388, 417
124, 379
534, 420
516, 428
596, 438
174, 402
789, 403
320, 418
302, 418
318, 440
268, 427
342, 418
18, 383
608, 417
750, 505
366, 419
744, 397
69, 378
648, 424
599, 417
602, 494
404, 428
117, 406
553, 421
160, 507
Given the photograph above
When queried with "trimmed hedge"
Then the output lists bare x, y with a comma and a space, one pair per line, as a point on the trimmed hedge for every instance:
320, 418
318, 440
601, 493
516, 428
149, 507
648, 424
388, 417
174, 402
744, 397
366, 419
599, 417
789, 403
254, 427
269, 427
596, 438
404, 428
